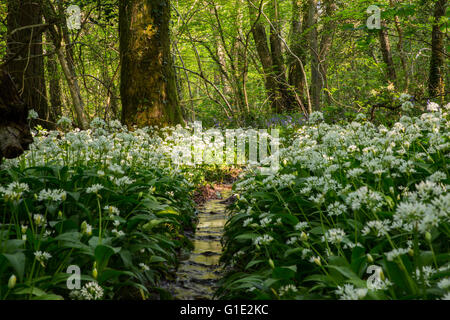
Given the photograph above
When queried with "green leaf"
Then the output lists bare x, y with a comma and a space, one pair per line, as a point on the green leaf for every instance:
284, 272
49, 296
156, 259
17, 261
253, 263
102, 255
35, 291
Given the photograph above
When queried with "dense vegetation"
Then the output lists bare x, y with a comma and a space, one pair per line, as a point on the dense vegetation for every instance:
347, 197
100, 101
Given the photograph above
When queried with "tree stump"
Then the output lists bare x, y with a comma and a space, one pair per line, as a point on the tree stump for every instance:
15, 134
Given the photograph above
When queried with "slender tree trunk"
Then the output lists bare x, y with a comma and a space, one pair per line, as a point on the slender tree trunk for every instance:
400, 48
74, 88
436, 81
58, 33
148, 88
28, 67
387, 54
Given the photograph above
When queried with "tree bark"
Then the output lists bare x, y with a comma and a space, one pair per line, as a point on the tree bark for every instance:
58, 33
27, 68
436, 81
285, 95
54, 87
148, 88
297, 43
265, 56
316, 81
387, 54
325, 46
15, 136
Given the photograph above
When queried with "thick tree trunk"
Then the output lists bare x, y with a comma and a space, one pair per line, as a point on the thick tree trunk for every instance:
285, 95
54, 88
264, 54
436, 81
298, 45
316, 80
15, 136
325, 46
387, 54
27, 68
148, 88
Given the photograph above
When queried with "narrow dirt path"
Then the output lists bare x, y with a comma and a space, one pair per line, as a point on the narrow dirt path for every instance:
198, 275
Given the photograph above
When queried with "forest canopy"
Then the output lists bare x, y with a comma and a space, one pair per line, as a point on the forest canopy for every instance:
224, 149
229, 62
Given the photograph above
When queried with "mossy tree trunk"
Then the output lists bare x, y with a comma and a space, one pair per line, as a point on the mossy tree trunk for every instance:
148, 88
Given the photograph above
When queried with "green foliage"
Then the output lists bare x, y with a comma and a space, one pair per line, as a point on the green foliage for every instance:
347, 197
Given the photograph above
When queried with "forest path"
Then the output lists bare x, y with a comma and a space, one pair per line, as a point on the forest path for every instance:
196, 277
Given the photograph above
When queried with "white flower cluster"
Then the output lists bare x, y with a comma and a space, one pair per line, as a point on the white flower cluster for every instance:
52, 195
349, 292
263, 240
90, 291
14, 190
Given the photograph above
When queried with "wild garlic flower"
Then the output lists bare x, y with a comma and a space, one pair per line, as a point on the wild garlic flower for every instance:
265, 222
95, 188
113, 211
301, 226
380, 228
14, 191
433, 107
315, 117
117, 233
90, 291
52, 195
32, 114
42, 257
334, 236
349, 292
144, 267
444, 284
264, 240
336, 209
39, 220
395, 253
284, 290
247, 222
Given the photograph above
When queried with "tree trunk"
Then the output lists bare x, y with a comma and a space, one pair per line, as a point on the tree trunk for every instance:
285, 95
436, 81
148, 88
387, 55
325, 46
15, 136
58, 33
27, 68
400, 47
297, 43
316, 81
54, 88
264, 54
